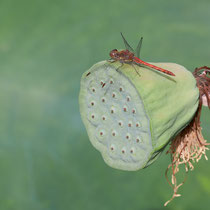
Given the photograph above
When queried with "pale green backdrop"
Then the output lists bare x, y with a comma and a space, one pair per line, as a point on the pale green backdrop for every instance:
46, 159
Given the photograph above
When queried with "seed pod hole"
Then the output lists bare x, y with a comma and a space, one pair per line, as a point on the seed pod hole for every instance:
112, 110
120, 89
127, 136
112, 147
92, 103
128, 98
125, 109
113, 95
101, 133
129, 124
113, 133
103, 118
137, 140
133, 111
120, 123
103, 100
137, 124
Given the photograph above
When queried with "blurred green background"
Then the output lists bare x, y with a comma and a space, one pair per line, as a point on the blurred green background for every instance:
46, 159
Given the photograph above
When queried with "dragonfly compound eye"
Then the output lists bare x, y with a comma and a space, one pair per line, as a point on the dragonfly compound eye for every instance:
113, 53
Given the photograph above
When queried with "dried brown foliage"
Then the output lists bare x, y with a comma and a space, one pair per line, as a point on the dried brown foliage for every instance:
189, 145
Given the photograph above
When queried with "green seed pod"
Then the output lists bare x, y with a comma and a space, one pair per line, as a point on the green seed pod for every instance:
131, 117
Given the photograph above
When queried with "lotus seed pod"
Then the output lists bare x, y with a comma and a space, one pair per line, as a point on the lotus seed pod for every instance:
131, 117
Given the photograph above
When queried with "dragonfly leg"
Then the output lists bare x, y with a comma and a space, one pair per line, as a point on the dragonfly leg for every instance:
119, 66
136, 70
111, 61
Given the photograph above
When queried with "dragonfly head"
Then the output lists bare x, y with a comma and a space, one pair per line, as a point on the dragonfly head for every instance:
113, 54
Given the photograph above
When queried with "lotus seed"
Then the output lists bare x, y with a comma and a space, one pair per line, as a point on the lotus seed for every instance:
120, 123
133, 111
112, 110
125, 109
137, 125
112, 147
120, 89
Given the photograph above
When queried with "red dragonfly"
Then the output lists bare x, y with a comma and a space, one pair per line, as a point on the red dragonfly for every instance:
127, 56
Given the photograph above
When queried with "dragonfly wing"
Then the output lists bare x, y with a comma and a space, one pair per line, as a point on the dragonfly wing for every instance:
139, 48
127, 46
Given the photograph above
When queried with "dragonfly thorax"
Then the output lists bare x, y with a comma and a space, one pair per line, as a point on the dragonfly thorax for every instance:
124, 55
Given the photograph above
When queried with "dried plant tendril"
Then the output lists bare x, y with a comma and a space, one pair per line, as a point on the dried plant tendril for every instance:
189, 145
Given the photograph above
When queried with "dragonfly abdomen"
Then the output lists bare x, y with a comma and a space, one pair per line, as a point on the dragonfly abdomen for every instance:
139, 61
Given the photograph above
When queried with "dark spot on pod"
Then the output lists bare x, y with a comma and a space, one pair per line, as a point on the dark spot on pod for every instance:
112, 111
112, 147
88, 74
137, 124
